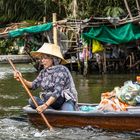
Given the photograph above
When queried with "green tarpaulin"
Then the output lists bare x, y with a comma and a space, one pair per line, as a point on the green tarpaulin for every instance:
32, 29
118, 35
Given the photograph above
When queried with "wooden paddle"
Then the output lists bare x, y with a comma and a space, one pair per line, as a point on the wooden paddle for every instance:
30, 94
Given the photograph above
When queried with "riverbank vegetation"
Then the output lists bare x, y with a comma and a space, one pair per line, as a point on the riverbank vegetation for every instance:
35, 10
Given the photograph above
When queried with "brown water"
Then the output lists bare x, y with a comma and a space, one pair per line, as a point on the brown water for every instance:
14, 124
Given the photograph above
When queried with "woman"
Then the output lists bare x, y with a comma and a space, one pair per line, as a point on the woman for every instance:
58, 89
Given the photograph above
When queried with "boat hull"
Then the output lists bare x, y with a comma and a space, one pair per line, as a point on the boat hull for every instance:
120, 121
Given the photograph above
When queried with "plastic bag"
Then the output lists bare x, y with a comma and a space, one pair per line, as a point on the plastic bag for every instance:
112, 104
129, 93
109, 102
96, 46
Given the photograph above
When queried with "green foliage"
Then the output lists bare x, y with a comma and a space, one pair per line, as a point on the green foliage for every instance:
5, 46
19, 10
113, 11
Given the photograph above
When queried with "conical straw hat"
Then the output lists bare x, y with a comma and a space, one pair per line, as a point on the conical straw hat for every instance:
50, 49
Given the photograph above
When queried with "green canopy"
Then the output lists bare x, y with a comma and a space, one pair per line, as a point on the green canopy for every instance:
118, 35
31, 29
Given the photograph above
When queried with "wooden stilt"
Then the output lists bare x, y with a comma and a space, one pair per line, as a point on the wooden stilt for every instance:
104, 61
130, 61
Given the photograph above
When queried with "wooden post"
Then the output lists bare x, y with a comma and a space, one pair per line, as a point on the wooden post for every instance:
104, 62
54, 29
44, 19
85, 72
130, 61
127, 7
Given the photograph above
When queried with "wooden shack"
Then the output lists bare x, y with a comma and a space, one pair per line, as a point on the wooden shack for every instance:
118, 40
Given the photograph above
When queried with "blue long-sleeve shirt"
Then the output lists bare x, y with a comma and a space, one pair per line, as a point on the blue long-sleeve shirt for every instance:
56, 80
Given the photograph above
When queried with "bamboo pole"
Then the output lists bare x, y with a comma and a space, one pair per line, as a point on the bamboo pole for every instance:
138, 7
30, 94
44, 19
55, 30
75, 8
127, 7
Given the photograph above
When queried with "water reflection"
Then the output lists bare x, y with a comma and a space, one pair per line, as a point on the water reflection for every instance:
91, 87
14, 123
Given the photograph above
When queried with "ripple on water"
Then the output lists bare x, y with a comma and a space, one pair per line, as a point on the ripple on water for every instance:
9, 97
15, 129
21, 130
2, 75
7, 109
6, 71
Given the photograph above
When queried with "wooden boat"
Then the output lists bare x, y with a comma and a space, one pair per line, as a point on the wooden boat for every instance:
120, 121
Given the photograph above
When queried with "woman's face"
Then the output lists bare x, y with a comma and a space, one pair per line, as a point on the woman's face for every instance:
46, 60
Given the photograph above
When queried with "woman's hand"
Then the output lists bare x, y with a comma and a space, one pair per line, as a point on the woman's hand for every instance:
41, 108
17, 74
